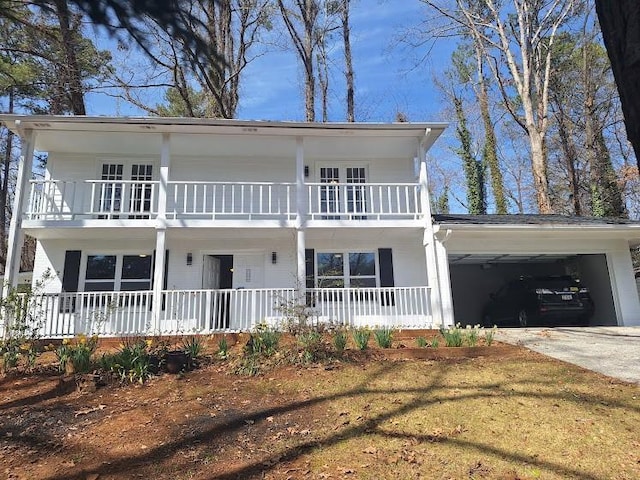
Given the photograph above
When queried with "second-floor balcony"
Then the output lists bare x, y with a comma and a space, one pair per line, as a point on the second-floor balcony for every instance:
59, 200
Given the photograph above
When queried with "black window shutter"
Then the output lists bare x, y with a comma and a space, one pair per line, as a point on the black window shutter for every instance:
310, 266
310, 271
70, 279
385, 261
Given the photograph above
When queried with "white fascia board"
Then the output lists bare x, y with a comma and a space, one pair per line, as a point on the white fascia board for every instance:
223, 126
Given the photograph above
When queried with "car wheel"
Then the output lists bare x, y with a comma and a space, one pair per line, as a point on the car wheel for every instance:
523, 318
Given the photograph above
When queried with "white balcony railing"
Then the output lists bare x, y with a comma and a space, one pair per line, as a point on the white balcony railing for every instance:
210, 200
106, 199
362, 201
210, 311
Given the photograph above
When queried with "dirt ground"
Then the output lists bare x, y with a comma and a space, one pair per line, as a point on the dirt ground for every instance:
206, 424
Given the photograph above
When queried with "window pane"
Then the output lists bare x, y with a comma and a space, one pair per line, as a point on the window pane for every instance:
362, 282
330, 283
136, 267
101, 267
361, 264
99, 286
330, 264
128, 286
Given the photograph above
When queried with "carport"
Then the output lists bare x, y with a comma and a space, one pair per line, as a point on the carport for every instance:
478, 254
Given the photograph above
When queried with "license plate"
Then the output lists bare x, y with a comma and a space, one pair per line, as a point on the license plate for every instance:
567, 297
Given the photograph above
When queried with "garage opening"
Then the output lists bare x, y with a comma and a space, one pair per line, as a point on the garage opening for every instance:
475, 277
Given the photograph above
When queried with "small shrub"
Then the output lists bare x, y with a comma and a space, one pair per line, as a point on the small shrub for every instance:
361, 338
489, 335
421, 342
340, 341
193, 346
223, 348
312, 346
384, 337
75, 355
452, 336
264, 340
133, 361
471, 335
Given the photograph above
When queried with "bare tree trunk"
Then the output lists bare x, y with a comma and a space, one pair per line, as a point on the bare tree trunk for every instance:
4, 192
71, 68
539, 170
571, 158
348, 73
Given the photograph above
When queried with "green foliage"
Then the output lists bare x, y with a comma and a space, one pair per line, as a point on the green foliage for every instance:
223, 348
264, 340
441, 205
471, 335
132, 362
75, 355
489, 335
452, 336
193, 346
473, 169
383, 337
312, 345
339, 341
421, 342
361, 338
435, 343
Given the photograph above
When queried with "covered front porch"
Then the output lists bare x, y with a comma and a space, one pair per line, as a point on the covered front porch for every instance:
115, 314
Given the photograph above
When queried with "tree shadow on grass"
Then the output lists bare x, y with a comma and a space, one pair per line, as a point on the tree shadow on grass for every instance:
423, 397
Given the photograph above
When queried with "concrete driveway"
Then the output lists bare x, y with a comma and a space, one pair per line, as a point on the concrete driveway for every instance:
613, 351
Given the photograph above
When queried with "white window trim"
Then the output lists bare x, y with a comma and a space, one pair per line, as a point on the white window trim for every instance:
345, 266
119, 254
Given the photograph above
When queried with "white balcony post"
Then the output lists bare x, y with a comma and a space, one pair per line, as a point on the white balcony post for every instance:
16, 235
161, 230
429, 240
301, 216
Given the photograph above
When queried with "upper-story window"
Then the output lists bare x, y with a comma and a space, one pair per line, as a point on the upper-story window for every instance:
343, 194
126, 188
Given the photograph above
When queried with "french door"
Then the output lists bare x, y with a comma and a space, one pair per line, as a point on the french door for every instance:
344, 192
117, 195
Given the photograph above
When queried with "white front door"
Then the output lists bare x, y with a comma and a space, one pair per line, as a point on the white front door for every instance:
211, 273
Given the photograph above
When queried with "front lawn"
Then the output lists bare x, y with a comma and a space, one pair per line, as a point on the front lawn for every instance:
517, 415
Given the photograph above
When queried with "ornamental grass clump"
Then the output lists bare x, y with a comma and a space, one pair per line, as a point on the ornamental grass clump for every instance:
489, 335
384, 337
340, 341
361, 338
421, 342
452, 336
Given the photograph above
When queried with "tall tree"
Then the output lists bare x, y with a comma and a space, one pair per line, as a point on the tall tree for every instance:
517, 40
620, 24
301, 20
348, 61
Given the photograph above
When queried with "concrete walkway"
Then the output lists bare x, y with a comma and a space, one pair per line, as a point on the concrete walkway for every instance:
613, 351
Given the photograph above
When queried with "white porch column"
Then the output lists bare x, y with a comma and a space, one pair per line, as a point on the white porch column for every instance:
623, 286
444, 280
161, 231
301, 216
429, 242
16, 235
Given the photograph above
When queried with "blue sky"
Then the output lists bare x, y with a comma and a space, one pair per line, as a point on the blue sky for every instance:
387, 79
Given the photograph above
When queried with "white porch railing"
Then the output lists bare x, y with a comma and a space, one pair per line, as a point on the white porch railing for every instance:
120, 199
210, 200
210, 311
68, 200
362, 201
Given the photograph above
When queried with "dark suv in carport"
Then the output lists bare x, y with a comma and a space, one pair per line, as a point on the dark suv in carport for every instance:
545, 301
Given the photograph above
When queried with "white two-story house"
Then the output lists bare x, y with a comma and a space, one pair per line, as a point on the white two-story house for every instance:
167, 225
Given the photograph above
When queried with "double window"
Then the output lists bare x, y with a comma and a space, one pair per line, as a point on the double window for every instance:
346, 269
122, 272
344, 191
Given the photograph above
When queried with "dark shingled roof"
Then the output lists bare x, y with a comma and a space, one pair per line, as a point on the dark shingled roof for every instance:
529, 220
